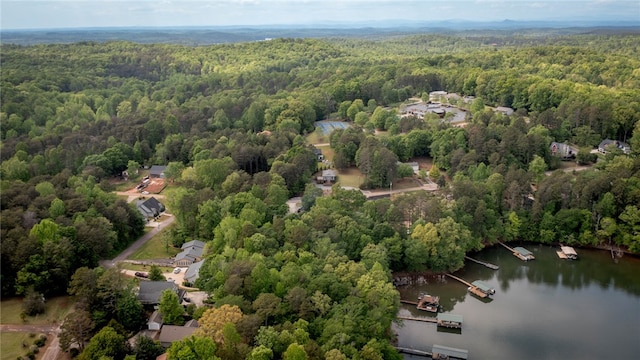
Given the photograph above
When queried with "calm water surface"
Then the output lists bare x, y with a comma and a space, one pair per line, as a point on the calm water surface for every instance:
547, 308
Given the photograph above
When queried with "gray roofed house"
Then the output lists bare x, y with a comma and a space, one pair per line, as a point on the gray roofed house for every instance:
328, 175
157, 171
151, 291
191, 252
150, 208
193, 272
171, 333
607, 144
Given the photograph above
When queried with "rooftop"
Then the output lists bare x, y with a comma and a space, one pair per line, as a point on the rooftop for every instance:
449, 351
481, 285
450, 317
522, 251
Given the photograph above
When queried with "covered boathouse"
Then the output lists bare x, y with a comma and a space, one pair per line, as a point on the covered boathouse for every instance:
450, 320
523, 254
441, 352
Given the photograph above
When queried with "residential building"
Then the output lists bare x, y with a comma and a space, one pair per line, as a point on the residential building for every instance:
150, 208
191, 252
193, 272
150, 292
563, 151
607, 145
157, 171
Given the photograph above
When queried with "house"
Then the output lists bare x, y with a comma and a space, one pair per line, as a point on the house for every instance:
329, 175
436, 95
193, 272
191, 252
505, 110
171, 333
151, 291
150, 208
607, 145
157, 171
155, 321
318, 153
414, 166
563, 151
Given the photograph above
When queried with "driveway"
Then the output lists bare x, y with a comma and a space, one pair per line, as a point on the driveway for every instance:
138, 243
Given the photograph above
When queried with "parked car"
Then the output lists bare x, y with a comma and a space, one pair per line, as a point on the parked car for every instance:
177, 270
141, 274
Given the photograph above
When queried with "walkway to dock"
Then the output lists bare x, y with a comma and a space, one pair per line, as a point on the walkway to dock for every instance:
427, 319
409, 302
413, 352
489, 265
505, 245
457, 278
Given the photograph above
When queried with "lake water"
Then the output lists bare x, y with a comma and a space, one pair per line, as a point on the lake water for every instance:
547, 308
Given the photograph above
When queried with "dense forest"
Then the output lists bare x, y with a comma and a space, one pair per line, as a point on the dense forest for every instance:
230, 123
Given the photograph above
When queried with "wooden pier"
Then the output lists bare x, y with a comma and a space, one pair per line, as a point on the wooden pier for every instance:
519, 252
429, 320
409, 302
489, 265
413, 352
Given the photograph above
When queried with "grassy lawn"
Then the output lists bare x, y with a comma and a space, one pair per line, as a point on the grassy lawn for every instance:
155, 248
12, 344
134, 267
317, 138
350, 177
56, 309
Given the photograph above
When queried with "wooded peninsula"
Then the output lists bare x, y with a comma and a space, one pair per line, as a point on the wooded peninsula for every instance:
232, 123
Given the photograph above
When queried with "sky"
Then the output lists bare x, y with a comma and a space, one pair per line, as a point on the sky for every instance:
50, 14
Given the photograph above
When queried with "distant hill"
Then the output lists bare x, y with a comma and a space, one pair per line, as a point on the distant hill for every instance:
234, 34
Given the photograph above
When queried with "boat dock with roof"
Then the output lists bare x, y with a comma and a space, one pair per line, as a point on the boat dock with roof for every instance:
567, 252
519, 252
478, 288
450, 320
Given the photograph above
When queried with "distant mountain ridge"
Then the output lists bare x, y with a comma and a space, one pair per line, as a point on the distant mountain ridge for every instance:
201, 35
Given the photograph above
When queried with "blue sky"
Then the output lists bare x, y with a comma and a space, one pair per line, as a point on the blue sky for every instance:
30, 14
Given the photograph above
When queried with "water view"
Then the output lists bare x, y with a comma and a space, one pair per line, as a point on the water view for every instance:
547, 308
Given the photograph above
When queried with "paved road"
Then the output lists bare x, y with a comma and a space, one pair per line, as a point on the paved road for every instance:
136, 245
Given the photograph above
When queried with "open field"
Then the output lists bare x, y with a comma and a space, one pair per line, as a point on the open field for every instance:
350, 177
317, 137
12, 344
56, 309
155, 248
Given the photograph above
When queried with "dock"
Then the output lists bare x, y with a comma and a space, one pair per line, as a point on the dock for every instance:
450, 321
477, 288
489, 265
428, 303
519, 252
567, 252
